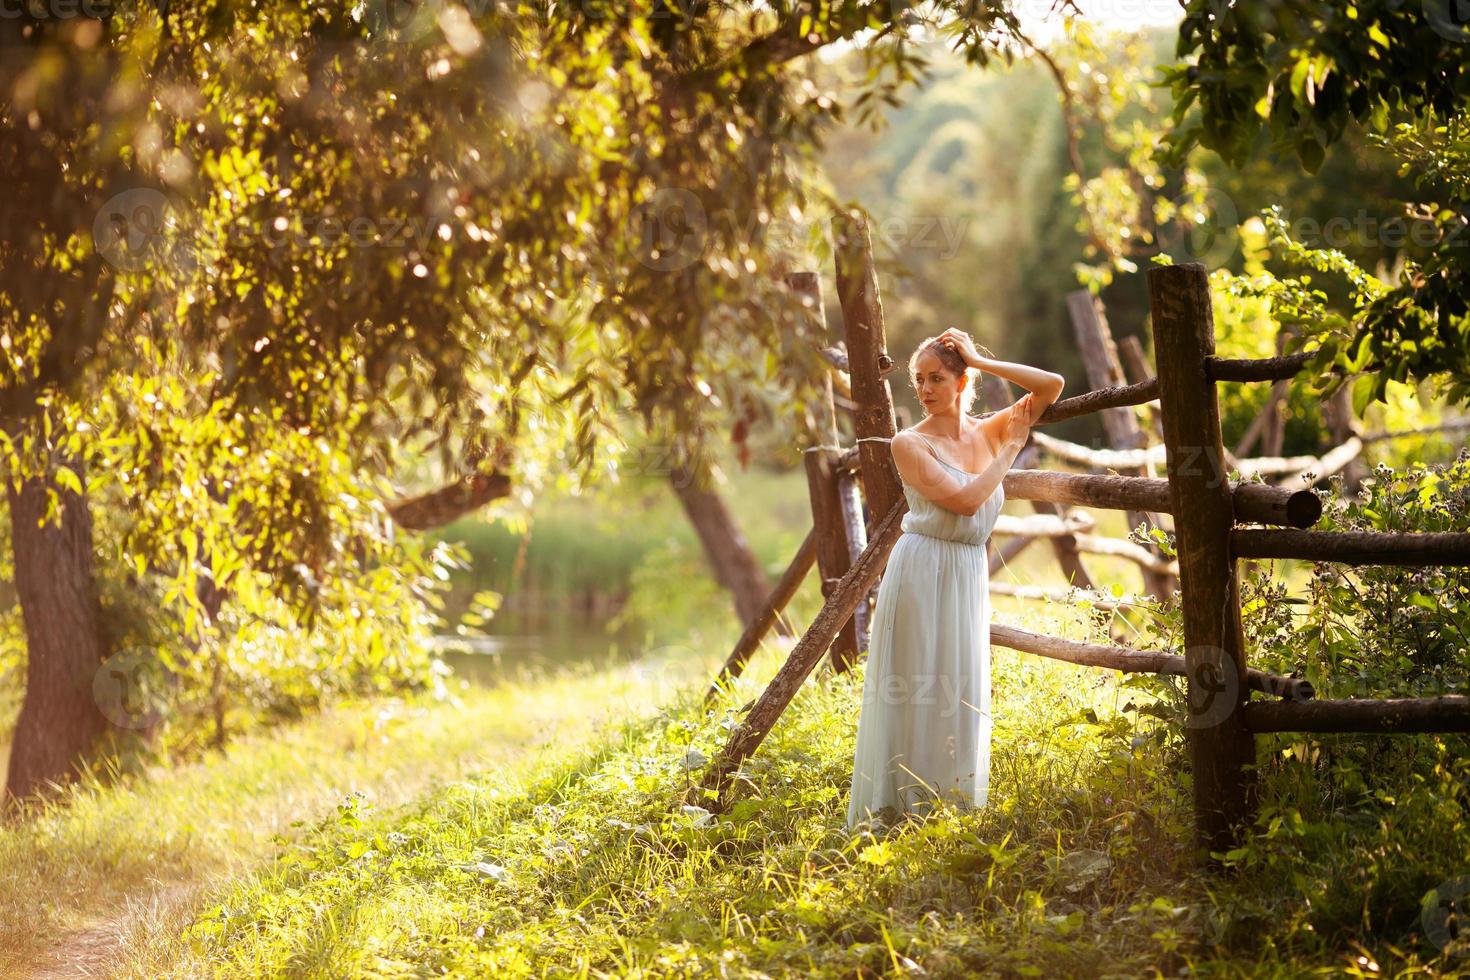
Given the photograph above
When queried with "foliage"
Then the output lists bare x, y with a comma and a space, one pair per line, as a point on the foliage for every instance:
1385, 630
1309, 71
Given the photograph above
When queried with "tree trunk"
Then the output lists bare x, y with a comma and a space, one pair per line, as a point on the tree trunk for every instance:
729, 555
60, 721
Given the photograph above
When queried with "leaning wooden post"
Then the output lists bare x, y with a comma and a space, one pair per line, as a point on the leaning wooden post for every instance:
867, 362
833, 557
852, 590
1222, 750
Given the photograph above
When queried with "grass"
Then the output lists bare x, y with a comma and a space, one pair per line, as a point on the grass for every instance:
136, 856
587, 862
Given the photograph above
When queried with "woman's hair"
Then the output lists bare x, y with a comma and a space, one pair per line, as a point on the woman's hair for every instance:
954, 363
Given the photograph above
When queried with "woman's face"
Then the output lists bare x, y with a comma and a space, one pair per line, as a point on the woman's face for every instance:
937, 388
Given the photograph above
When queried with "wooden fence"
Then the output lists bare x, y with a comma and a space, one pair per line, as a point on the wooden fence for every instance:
1207, 510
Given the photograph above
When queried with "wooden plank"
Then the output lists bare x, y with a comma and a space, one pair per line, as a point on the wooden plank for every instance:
1391, 716
1253, 368
1254, 503
1044, 525
1129, 660
833, 558
1095, 401
1406, 548
1334, 460
1069, 594
1222, 751
1101, 459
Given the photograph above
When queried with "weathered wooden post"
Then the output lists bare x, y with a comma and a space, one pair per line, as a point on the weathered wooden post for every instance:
1136, 369
1104, 370
1222, 750
867, 363
843, 494
833, 557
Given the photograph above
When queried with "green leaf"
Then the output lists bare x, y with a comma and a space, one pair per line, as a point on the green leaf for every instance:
1363, 391
1311, 154
67, 479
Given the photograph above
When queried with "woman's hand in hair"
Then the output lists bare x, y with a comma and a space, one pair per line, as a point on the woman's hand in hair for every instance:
963, 343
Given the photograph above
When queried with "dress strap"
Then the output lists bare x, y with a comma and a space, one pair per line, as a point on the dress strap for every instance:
931, 447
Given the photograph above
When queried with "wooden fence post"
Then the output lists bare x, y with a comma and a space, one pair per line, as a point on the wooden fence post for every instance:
867, 363
808, 285
833, 556
1105, 369
1222, 750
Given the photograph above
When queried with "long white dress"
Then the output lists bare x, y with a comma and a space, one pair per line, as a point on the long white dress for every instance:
925, 725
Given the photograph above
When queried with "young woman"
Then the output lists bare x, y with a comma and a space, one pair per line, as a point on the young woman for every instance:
924, 730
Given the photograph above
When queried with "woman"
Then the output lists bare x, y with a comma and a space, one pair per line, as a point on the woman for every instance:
924, 730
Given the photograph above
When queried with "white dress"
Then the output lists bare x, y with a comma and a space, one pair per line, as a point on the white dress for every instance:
925, 724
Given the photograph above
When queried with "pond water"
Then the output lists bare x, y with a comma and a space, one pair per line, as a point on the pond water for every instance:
486, 659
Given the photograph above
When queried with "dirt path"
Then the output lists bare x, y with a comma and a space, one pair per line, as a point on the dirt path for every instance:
91, 952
